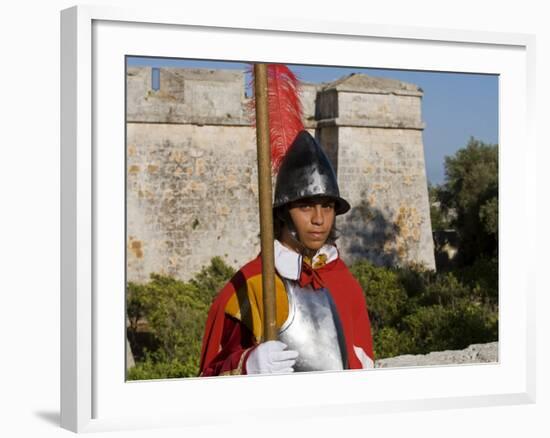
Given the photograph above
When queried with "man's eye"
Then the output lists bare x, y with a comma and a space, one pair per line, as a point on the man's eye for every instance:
328, 206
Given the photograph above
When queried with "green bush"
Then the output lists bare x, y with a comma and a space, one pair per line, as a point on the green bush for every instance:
415, 311
212, 278
482, 277
444, 290
386, 297
175, 312
412, 311
390, 342
437, 328
158, 367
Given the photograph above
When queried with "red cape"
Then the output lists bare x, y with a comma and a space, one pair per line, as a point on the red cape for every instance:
344, 289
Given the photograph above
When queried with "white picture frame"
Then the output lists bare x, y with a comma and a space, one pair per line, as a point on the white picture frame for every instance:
94, 395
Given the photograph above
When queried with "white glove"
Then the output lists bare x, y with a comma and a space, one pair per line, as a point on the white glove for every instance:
271, 357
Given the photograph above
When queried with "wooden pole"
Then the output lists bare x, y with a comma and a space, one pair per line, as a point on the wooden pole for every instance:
265, 200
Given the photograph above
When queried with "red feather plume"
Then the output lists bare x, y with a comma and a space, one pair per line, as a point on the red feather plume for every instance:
284, 108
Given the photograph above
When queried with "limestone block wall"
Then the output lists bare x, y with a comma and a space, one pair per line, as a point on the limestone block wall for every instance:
308, 98
189, 198
383, 177
186, 96
192, 172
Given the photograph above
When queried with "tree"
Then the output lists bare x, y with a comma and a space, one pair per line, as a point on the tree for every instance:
439, 220
471, 190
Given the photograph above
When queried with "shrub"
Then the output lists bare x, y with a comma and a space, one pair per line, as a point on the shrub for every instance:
482, 277
159, 367
437, 328
443, 289
415, 311
212, 278
175, 312
386, 297
412, 311
390, 342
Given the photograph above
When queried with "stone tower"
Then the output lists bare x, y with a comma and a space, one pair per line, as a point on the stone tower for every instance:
192, 174
372, 130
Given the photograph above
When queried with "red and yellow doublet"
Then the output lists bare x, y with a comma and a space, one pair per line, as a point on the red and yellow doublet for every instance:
234, 324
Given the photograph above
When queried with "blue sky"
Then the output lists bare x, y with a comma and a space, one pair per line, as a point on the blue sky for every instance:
455, 106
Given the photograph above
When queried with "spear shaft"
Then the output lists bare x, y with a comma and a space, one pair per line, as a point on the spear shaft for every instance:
265, 201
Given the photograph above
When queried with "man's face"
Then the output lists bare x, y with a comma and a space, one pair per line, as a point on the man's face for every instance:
313, 219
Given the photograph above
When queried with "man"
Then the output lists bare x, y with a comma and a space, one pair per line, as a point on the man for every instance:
321, 312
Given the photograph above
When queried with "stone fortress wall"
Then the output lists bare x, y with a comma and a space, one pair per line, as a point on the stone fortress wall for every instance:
192, 177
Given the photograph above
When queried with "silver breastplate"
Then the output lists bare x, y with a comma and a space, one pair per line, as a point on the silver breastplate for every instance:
313, 329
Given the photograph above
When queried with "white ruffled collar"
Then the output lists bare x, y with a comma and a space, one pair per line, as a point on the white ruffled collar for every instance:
289, 263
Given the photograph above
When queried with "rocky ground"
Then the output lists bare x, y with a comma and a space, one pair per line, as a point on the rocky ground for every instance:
475, 353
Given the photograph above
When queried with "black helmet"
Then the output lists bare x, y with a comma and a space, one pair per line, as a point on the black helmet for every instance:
306, 172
